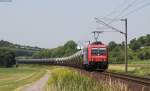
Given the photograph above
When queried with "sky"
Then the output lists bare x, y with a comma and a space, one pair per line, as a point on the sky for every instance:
51, 23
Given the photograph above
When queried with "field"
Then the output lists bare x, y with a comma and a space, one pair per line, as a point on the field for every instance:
66, 79
12, 78
137, 68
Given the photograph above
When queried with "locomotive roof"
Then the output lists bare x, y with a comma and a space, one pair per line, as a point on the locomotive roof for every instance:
97, 43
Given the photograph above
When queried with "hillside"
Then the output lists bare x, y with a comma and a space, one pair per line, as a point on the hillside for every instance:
20, 50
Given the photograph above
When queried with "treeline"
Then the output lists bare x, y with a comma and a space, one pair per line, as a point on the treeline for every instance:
138, 49
67, 49
141, 47
8, 52
20, 50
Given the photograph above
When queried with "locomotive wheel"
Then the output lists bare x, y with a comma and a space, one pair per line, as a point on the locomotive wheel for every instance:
88, 67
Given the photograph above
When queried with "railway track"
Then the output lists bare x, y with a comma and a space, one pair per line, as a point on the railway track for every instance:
139, 80
133, 83
134, 79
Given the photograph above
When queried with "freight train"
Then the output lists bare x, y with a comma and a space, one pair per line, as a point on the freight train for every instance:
93, 56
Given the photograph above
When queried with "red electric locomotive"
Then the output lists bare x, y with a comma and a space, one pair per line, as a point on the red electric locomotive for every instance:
95, 56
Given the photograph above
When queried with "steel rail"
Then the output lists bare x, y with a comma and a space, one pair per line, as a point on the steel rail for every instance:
139, 80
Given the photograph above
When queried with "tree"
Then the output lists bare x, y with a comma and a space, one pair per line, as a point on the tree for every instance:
70, 44
5, 44
117, 55
144, 53
135, 45
112, 45
147, 40
68, 49
45, 53
142, 40
58, 52
7, 57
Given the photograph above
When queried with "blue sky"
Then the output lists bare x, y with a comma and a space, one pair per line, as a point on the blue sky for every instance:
49, 23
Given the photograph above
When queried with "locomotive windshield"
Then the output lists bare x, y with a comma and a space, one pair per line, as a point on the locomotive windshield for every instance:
98, 51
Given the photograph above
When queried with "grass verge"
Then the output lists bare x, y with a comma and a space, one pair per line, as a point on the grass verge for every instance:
64, 79
136, 68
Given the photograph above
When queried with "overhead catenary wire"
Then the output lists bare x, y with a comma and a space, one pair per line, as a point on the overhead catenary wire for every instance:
137, 9
124, 9
109, 26
123, 13
116, 8
128, 7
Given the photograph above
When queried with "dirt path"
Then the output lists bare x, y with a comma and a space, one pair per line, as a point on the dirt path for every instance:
38, 85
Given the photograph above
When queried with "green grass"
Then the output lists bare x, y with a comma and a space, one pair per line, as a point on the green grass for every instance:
137, 68
12, 78
64, 79
139, 62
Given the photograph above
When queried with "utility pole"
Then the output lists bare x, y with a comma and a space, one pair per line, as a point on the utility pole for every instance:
124, 33
126, 46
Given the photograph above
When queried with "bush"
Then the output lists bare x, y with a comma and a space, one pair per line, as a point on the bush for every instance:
117, 54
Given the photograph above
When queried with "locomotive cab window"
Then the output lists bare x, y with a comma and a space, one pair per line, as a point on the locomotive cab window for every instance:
98, 51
